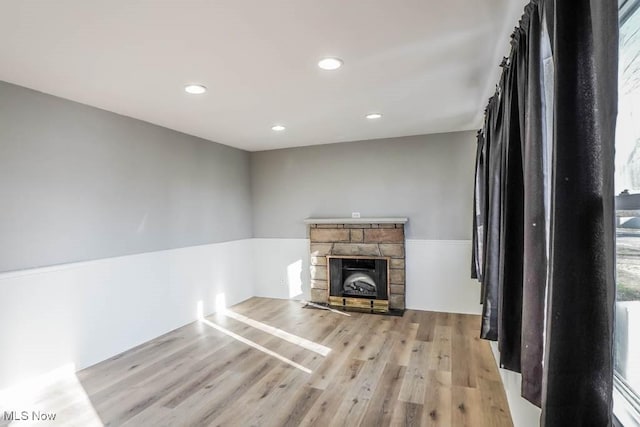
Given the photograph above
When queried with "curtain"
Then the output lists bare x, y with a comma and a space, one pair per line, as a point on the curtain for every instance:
579, 341
543, 220
476, 253
491, 269
511, 227
534, 274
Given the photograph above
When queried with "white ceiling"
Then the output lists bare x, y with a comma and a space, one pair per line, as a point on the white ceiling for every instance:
427, 65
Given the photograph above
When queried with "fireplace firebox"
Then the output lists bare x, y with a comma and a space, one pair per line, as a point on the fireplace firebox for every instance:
359, 282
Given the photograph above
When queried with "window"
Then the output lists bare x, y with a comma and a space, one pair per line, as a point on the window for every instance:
627, 186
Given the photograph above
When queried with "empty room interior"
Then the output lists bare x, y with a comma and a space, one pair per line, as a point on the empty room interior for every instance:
296, 212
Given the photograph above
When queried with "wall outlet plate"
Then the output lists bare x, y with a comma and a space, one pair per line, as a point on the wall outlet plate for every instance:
355, 214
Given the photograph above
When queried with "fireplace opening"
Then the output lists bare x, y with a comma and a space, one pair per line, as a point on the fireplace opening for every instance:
358, 277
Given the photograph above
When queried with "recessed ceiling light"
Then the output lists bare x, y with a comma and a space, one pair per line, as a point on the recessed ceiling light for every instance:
195, 89
278, 128
330, 63
373, 116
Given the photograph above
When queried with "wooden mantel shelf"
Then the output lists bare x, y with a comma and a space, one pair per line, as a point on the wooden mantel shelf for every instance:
389, 220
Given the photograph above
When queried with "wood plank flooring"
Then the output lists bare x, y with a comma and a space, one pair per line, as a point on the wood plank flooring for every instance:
275, 363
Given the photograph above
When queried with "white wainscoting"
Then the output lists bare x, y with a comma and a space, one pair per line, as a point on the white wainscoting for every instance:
437, 273
523, 412
281, 268
439, 276
85, 312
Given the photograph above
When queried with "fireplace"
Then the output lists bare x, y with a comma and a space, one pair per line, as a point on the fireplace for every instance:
358, 263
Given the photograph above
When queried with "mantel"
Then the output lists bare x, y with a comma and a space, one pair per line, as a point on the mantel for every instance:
389, 220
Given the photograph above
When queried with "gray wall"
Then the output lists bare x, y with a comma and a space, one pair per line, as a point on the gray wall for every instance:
79, 183
427, 178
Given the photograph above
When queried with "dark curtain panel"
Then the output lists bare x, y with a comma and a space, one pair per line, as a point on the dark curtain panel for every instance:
548, 288
476, 255
481, 194
491, 269
534, 232
510, 266
579, 339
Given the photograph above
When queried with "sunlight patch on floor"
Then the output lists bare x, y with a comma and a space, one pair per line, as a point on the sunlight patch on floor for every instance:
55, 398
256, 346
294, 339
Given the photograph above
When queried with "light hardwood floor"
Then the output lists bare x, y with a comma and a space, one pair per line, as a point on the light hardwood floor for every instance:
272, 362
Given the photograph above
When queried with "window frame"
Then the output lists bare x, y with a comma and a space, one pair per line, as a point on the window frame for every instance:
626, 402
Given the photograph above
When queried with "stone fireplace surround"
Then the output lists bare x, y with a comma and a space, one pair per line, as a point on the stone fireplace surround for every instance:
357, 237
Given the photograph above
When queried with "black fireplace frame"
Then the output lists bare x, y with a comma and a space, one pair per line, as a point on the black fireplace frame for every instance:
352, 257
